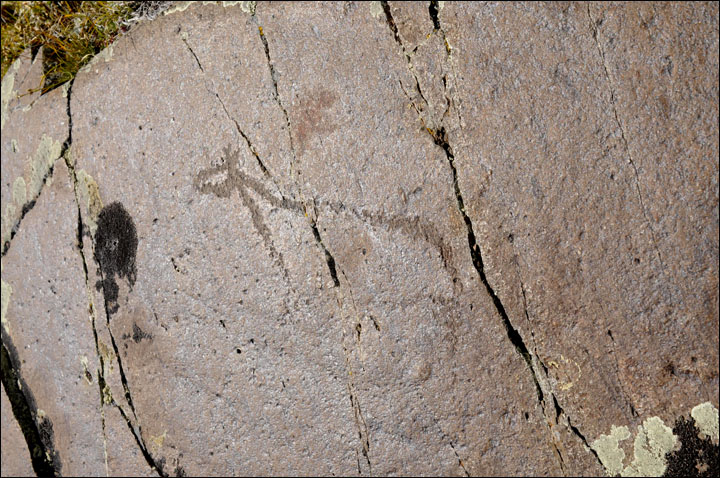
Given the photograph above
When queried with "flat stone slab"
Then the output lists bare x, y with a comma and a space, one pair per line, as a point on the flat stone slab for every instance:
374, 238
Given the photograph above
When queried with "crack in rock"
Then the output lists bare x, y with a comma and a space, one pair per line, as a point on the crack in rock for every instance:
595, 33
37, 430
278, 100
28, 205
440, 138
102, 386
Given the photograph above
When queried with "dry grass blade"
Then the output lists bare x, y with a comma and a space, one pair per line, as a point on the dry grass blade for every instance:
69, 33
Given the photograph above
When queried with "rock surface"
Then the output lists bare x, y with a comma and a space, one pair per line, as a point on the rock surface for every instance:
15, 459
369, 238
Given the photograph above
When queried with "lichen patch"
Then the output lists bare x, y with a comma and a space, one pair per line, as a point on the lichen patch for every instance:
90, 198
706, 419
653, 441
7, 91
608, 449
48, 151
19, 191
6, 293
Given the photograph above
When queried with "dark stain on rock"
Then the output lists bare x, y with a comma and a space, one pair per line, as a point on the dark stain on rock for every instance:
138, 335
696, 456
316, 120
225, 176
115, 250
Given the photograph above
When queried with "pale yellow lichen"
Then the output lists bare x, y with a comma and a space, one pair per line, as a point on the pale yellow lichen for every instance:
8, 221
179, 7
157, 442
247, 7
108, 357
7, 91
85, 364
706, 419
376, 9
6, 292
653, 441
567, 384
107, 395
47, 152
89, 195
19, 191
608, 449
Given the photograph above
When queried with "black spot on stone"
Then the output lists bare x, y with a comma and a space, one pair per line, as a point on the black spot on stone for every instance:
696, 456
138, 334
115, 250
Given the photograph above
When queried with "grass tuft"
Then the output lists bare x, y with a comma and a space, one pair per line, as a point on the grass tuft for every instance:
69, 33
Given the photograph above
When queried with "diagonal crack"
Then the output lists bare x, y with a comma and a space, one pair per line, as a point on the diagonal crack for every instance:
559, 411
155, 466
93, 318
48, 175
311, 215
329, 259
26, 208
278, 100
45, 460
249, 144
137, 433
194, 55
460, 462
633, 412
440, 137
408, 57
101, 370
594, 30
360, 423
434, 10
237, 177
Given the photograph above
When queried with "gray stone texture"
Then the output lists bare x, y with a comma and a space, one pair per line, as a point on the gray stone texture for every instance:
391, 239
